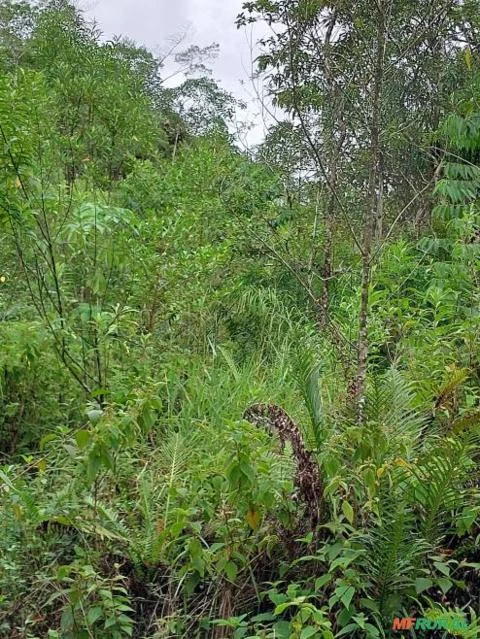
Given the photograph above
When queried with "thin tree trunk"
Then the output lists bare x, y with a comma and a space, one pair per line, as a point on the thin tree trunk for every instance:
372, 214
329, 220
335, 151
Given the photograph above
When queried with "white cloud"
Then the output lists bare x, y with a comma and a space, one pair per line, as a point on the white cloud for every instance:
153, 22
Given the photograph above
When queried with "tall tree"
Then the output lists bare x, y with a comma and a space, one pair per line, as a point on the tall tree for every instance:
355, 76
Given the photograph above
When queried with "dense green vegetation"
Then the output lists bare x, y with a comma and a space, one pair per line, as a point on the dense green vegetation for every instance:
166, 299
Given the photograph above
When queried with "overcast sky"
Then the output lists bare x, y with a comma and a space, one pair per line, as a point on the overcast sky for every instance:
153, 22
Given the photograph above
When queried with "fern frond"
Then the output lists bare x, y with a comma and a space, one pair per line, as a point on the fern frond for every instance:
394, 553
392, 412
107, 523
175, 452
281, 468
173, 459
467, 429
447, 391
442, 489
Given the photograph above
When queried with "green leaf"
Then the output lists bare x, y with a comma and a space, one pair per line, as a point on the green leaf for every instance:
347, 629
370, 604
264, 616
443, 568
111, 621
66, 621
445, 584
360, 619
46, 439
347, 596
371, 631
82, 437
94, 415
282, 629
322, 581
94, 614
283, 606
422, 584
310, 631
231, 570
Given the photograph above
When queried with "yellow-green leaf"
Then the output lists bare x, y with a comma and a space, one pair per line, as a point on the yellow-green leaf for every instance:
253, 518
82, 437
348, 511
468, 58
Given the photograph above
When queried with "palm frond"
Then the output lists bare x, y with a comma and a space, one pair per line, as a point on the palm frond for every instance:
307, 374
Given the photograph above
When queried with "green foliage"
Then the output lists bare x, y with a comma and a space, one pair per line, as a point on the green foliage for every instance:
156, 282
91, 604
